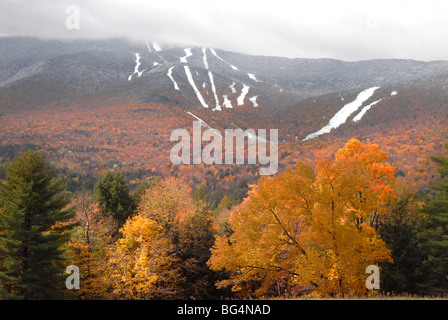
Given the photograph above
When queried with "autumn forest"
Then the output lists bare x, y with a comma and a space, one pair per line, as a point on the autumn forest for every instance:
93, 208
223, 159
94, 191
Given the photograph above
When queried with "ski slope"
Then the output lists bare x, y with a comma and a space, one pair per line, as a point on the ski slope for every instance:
243, 94
187, 54
364, 110
137, 66
344, 113
170, 75
193, 85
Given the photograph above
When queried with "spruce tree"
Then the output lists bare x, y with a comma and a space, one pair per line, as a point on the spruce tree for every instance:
33, 212
435, 235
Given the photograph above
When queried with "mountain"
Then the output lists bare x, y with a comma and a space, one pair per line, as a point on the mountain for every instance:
308, 100
147, 71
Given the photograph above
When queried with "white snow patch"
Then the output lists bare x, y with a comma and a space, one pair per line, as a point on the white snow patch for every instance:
204, 51
156, 46
193, 85
252, 76
203, 123
216, 55
342, 115
244, 91
147, 45
254, 101
187, 54
232, 87
227, 102
218, 107
155, 64
137, 66
254, 136
364, 110
170, 75
393, 93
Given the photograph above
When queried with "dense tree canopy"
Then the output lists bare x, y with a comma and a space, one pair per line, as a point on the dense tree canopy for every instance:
310, 228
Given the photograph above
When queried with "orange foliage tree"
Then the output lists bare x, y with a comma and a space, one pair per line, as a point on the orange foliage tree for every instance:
310, 228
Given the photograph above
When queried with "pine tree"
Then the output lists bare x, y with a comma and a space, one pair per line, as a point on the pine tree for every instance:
33, 212
435, 235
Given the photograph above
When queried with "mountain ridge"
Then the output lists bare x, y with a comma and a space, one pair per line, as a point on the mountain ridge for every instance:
37, 73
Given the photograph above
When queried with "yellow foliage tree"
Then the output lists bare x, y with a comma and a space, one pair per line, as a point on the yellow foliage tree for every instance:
310, 228
141, 266
169, 202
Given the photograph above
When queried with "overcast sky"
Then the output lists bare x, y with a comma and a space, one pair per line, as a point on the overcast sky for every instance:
341, 29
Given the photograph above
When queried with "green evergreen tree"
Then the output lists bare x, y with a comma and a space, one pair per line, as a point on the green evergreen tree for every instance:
33, 212
434, 236
399, 229
112, 192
